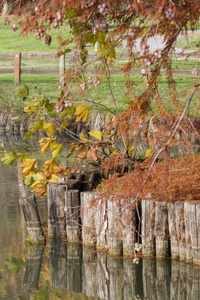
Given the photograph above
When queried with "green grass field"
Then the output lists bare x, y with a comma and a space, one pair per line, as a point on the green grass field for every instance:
47, 84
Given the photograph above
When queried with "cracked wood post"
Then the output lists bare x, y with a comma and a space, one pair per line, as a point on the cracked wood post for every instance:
101, 223
161, 229
56, 213
180, 228
148, 223
72, 210
29, 208
88, 212
188, 218
17, 67
195, 231
129, 226
172, 230
62, 68
114, 230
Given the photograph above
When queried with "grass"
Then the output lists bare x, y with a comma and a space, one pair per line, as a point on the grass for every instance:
47, 84
190, 43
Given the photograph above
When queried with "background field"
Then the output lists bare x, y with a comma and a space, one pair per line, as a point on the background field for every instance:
47, 84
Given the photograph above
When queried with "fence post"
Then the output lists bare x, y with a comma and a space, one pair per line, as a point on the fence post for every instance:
17, 67
62, 68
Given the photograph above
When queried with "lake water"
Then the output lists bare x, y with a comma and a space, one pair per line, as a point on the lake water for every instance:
61, 270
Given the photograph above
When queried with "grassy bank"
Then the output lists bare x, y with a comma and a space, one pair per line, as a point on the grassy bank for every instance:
48, 84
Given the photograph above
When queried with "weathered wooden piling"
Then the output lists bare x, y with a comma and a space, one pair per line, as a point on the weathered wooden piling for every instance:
129, 228
114, 229
101, 223
174, 245
148, 224
29, 208
56, 210
180, 228
187, 219
89, 236
161, 229
72, 214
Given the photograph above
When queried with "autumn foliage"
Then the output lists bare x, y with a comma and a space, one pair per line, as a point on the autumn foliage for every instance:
115, 145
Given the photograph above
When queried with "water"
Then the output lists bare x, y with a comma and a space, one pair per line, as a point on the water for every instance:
61, 270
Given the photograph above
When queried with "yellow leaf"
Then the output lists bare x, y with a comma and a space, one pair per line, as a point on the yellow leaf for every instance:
28, 165
51, 165
41, 176
96, 134
63, 125
109, 135
149, 152
82, 112
73, 148
49, 127
56, 149
130, 149
44, 144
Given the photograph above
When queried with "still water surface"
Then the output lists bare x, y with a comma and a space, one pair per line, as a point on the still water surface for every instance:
68, 271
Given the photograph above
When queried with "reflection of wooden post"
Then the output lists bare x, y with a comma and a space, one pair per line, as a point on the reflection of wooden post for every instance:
20, 174
33, 267
62, 68
17, 67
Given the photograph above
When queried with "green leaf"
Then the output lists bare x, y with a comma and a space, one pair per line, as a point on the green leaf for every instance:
125, 99
64, 113
10, 158
23, 92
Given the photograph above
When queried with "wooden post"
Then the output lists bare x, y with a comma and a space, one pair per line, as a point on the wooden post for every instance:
17, 67
180, 228
188, 217
32, 219
89, 236
101, 223
195, 231
172, 230
129, 220
148, 223
161, 229
72, 211
62, 68
33, 267
114, 230
56, 212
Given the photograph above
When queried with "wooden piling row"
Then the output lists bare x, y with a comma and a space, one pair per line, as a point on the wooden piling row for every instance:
167, 229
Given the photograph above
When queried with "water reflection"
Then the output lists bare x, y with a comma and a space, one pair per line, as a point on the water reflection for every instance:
78, 270
69, 271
